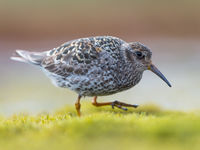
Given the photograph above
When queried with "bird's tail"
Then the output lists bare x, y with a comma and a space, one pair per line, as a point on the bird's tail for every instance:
34, 58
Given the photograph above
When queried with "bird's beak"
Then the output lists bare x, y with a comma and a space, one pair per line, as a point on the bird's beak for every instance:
158, 73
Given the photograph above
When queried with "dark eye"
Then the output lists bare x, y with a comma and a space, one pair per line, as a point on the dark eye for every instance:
139, 55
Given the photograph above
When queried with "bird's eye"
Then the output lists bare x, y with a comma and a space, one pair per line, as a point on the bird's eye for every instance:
139, 55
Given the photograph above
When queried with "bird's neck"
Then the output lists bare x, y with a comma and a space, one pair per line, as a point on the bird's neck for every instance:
131, 76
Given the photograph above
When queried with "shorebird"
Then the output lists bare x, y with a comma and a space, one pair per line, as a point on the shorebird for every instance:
94, 66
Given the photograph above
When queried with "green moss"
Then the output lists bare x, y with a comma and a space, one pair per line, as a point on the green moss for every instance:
147, 127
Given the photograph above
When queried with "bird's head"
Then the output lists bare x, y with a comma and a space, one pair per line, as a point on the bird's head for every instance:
141, 56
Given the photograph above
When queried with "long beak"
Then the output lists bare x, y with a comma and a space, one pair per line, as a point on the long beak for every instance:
158, 73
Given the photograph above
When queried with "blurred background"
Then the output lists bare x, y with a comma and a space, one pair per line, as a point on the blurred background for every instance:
170, 28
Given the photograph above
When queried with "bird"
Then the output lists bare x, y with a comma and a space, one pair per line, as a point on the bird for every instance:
94, 66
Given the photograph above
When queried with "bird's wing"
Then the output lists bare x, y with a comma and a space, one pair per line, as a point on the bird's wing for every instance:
74, 56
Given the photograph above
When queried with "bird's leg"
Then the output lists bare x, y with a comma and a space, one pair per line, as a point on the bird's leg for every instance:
78, 106
113, 104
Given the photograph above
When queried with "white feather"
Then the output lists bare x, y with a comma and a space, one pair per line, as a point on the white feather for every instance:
29, 57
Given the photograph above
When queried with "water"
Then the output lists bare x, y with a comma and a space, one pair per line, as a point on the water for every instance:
25, 88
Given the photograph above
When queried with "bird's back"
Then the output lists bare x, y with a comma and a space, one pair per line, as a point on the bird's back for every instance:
85, 50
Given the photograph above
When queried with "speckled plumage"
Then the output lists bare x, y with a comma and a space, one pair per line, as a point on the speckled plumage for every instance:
93, 66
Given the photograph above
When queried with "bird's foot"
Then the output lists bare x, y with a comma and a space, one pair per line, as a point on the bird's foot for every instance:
120, 104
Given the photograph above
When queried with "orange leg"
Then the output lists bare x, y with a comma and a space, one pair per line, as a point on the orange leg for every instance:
78, 106
113, 104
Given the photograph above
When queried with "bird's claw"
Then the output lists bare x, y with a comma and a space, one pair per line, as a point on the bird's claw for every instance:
135, 105
119, 105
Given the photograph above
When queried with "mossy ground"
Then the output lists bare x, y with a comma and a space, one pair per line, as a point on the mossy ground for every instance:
146, 127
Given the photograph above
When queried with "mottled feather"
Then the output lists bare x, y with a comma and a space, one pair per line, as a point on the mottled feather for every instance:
92, 66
